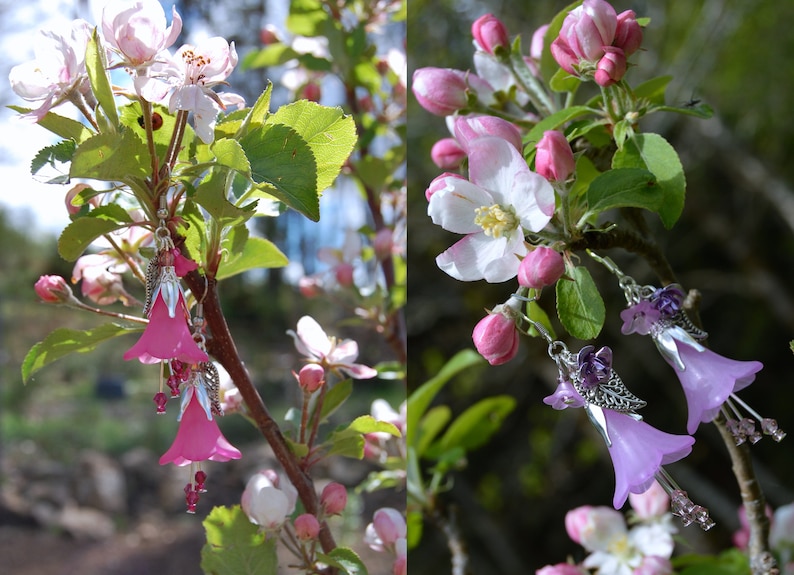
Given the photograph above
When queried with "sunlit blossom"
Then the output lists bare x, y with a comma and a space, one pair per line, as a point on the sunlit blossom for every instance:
312, 342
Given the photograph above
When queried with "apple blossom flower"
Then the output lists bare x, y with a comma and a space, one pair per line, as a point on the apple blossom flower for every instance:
101, 278
268, 499
138, 30
312, 342
53, 289
708, 379
167, 335
306, 527
198, 437
387, 528
502, 199
651, 504
495, 336
58, 71
541, 267
586, 30
442, 91
561, 569
553, 157
490, 33
189, 76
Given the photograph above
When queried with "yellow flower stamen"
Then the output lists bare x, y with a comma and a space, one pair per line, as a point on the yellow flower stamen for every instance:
496, 221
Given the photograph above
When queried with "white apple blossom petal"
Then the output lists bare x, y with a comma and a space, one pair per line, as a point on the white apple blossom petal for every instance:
494, 165
477, 257
453, 207
310, 339
533, 199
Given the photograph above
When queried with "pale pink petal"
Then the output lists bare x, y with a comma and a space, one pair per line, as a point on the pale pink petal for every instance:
453, 208
311, 340
494, 165
533, 198
357, 370
344, 351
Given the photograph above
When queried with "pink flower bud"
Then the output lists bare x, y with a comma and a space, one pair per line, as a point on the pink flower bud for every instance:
563, 55
628, 35
490, 33
344, 274
653, 503
440, 183
307, 527
496, 337
311, 92
654, 565
389, 524
269, 35
309, 287
536, 46
576, 520
561, 569
541, 267
469, 128
383, 243
447, 154
311, 377
442, 91
53, 289
334, 498
589, 28
554, 158
72, 194
611, 67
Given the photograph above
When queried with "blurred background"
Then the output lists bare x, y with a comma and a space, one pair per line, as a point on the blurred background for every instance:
734, 243
80, 443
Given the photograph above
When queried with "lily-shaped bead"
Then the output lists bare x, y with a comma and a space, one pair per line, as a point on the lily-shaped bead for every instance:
708, 379
637, 449
167, 335
502, 200
198, 437
312, 342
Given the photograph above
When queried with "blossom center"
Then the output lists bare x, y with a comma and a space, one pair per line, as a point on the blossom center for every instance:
195, 64
496, 221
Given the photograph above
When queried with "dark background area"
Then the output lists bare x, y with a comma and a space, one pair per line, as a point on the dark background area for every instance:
733, 243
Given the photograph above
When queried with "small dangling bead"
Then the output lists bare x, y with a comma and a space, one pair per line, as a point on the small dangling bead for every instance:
160, 399
191, 498
200, 478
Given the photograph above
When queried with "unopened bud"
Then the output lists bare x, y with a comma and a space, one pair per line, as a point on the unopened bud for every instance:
541, 267
611, 67
311, 377
554, 158
334, 498
53, 289
496, 337
447, 154
307, 527
490, 33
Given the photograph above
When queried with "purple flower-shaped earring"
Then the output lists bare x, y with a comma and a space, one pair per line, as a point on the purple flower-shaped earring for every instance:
710, 381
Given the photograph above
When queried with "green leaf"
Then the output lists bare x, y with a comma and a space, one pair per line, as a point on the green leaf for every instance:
562, 81
79, 234
335, 397
96, 66
131, 113
235, 545
730, 562
62, 342
475, 426
653, 153
272, 55
539, 315
61, 152
306, 17
624, 188
579, 305
346, 443
430, 426
230, 154
422, 397
368, 424
112, 157
344, 559
281, 158
211, 195
64, 127
257, 114
257, 253
330, 134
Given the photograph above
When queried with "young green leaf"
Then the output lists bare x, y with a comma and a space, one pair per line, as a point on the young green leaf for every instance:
235, 545
111, 157
62, 342
653, 90
60, 126
368, 424
59, 153
345, 560
257, 253
230, 154
624, 188
653, 153
422, 397
79, 234
475, 426
96, 66
430, 426
335, 397
330, 134
211, 195
553, 122
579, 305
